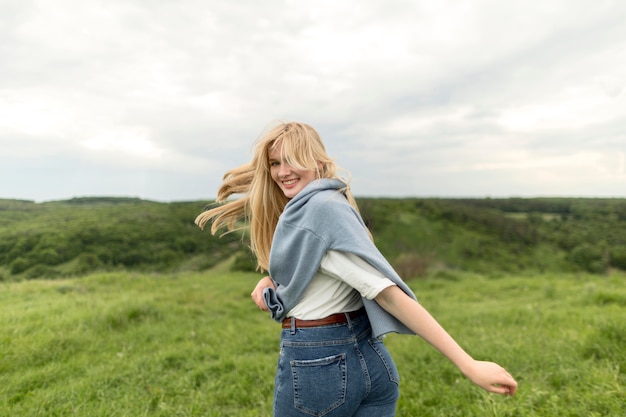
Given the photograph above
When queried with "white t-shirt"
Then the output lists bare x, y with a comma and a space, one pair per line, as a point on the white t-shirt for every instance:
341, 281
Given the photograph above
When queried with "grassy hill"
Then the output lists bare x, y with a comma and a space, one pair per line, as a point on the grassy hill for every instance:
139, 315
83, 235
194, 344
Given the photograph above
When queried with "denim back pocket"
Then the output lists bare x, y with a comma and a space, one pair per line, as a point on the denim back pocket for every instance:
319, 384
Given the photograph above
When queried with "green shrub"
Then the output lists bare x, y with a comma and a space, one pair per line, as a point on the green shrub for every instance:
19, 265
186, 244
87, 262
412, 265
167, 257
244, 261
49, 256
589, 257
618, 257
42, 271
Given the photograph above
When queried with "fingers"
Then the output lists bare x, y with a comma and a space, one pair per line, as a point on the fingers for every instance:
493, 378
257, 297
509, 383
257, 293
503, 389
506, 386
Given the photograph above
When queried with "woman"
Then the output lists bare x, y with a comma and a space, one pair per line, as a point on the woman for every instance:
329, 286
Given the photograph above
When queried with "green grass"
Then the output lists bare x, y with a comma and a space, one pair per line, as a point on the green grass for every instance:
193, 344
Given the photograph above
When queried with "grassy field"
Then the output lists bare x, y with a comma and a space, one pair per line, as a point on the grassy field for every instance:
191, 344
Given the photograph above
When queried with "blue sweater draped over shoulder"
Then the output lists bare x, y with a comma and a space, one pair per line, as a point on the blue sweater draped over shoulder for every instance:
318, 219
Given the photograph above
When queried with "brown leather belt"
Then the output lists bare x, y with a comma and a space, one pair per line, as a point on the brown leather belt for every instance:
332, 319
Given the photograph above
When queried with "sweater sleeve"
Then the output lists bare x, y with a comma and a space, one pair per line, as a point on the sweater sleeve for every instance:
355, 272
295, 258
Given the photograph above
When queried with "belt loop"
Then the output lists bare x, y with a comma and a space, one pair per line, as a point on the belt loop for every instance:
348, 320
293, 325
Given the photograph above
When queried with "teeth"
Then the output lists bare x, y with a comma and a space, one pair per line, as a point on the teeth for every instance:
289, 182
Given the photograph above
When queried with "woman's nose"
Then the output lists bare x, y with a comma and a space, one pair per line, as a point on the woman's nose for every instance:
285, 169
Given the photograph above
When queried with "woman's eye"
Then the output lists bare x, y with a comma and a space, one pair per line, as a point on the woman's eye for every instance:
274, 163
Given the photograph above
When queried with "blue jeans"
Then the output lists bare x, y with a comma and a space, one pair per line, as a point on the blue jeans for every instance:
337, 370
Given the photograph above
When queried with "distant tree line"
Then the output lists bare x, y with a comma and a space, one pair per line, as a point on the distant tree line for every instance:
82, 235
591, 231
571, 233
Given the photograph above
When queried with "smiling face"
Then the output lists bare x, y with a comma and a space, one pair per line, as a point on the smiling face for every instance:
290, 180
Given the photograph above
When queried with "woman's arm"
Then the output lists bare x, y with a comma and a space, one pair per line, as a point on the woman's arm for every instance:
487, 375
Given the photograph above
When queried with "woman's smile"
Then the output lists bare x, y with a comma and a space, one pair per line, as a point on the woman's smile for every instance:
290, 179
290, 182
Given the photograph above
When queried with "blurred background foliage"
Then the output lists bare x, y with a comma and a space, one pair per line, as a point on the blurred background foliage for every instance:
419, 236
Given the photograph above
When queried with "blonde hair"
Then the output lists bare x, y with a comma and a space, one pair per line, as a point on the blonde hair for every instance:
262, 201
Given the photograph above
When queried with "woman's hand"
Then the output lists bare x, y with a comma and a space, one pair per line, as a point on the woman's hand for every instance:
491, 377
257, 293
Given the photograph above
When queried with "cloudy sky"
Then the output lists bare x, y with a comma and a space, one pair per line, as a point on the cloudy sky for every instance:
156, 99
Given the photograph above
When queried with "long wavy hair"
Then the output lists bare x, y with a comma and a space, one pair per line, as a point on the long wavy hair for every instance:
262, 201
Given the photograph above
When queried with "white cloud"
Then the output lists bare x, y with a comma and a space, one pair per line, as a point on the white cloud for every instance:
414, 97
35, 117
131, 141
